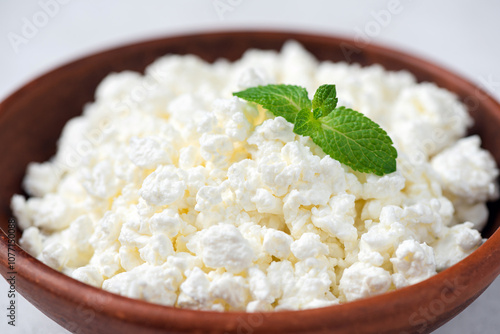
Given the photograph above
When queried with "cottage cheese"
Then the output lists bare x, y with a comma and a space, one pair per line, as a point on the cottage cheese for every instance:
170, 190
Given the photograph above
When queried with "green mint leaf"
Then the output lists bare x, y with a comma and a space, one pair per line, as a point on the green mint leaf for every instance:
282, 100
325, 100
344, 134
306, 124
351, 138
317, 113
355, 140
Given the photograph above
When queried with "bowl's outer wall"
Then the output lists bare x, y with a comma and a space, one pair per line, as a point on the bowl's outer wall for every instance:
31, 121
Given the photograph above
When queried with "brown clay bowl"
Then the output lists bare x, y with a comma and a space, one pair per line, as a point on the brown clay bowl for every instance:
31, 120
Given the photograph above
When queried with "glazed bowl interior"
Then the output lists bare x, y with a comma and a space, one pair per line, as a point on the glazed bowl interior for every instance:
32, 118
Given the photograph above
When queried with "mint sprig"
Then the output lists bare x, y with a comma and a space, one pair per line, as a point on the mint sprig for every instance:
344, 134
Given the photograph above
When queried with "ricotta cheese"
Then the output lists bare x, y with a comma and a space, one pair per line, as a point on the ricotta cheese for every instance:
171, 190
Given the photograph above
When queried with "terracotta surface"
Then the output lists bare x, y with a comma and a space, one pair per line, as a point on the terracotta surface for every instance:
31, 121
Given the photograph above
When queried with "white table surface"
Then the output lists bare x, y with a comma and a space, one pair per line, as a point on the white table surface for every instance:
463, 35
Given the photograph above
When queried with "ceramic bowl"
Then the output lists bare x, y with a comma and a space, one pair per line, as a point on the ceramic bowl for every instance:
31, 120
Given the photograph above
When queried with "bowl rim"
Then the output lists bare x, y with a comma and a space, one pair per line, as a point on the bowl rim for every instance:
483, 260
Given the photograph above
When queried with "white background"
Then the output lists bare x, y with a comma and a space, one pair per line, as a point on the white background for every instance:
462, 35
